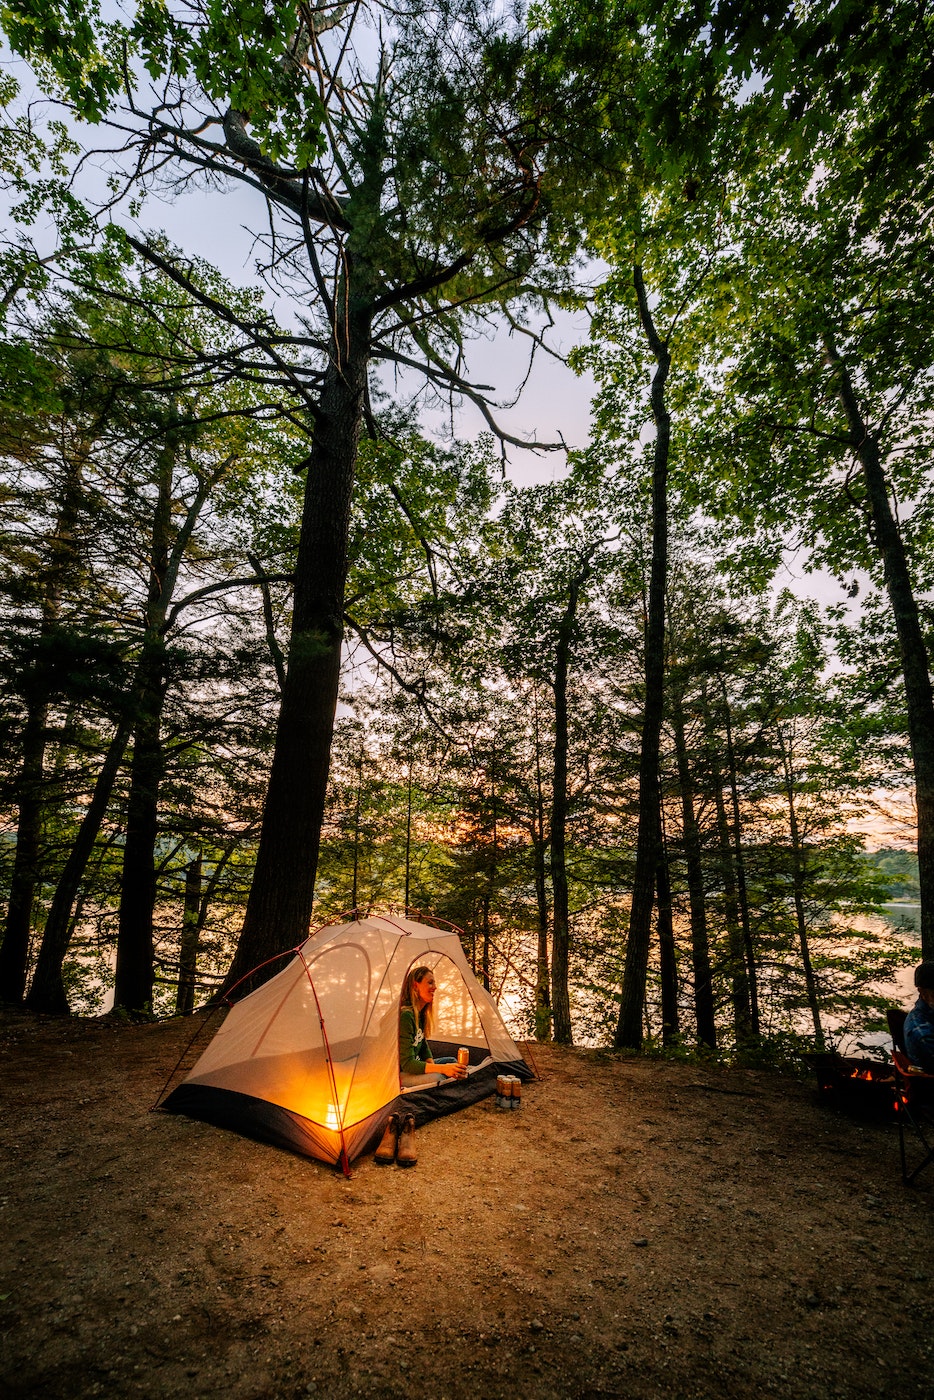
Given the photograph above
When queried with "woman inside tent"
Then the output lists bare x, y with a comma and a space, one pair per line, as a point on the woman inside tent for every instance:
417, 1067
416, 1019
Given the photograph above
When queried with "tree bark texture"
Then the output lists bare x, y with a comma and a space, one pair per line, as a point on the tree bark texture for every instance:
915, 663
282, 893
700, 943
632, 1000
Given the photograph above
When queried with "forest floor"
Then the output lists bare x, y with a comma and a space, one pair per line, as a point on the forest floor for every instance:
639, 1228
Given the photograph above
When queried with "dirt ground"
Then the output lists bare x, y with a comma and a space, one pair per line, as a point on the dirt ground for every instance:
638, 1229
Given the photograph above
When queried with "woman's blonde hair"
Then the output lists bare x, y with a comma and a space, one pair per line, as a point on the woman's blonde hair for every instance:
423, 1014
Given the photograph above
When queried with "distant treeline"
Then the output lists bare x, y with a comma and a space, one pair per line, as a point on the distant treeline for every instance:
901, 868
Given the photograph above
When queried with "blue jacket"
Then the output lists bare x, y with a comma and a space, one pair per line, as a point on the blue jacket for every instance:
919, 1035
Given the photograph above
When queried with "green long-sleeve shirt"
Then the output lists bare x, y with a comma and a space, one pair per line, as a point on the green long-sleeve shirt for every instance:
414, 1050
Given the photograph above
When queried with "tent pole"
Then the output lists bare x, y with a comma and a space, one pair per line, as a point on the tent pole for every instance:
344, 1159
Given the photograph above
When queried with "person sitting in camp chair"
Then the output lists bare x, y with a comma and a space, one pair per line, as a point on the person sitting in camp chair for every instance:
417, 1067
919, 1023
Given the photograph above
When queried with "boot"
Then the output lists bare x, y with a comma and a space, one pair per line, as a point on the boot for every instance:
406, 1155
386, 1152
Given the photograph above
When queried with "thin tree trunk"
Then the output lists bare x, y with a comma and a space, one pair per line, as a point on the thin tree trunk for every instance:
191, 930
736, 952
632, 1000
740, 866
355, 897
133, 982
666, 946
798, 881
886, 537
542, 977
14, 951
700, 944
485, 946
63, 553
561, 937
47, 992
408, 836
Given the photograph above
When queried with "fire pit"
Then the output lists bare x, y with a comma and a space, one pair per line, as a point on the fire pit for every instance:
862, 1088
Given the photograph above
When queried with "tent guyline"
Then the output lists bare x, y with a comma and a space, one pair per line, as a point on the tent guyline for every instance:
310, 1059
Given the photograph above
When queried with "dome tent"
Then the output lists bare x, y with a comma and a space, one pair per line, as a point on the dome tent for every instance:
310, 1060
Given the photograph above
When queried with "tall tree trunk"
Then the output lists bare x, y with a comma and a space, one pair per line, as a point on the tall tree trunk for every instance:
666, 947
700, 945
798, 882
561, 936
282, 893
14, 951
912, 647
47, 992
632, 1001
408, 836
134, 976
355, 896
63, 553
736, 951
740, 866
191, 930
485, 946
542, 975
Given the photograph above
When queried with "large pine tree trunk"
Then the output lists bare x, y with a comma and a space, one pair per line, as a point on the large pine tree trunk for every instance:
629, 1025
282, 893
700, 944
886, 538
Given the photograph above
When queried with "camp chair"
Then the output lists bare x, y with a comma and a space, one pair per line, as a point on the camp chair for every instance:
914, 1099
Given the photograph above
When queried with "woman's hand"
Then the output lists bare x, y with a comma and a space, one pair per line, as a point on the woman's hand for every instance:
450, 1071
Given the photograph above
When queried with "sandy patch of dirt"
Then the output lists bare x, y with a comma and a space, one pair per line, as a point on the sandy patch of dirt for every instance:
638, 1229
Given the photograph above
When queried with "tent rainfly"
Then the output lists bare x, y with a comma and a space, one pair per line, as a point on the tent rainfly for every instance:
310, 1060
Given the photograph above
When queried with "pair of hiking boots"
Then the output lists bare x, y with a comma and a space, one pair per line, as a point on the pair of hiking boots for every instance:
398, 1144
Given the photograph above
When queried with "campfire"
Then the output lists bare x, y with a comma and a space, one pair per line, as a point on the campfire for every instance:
862, 1088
